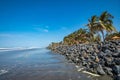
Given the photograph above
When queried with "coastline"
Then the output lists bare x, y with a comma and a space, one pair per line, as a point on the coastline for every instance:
16, 49
36, 65
96, 59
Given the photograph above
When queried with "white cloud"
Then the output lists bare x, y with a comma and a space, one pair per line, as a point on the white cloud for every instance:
45, 30
41, 29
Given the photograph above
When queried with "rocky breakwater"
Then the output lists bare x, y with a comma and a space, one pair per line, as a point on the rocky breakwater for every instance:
99, 58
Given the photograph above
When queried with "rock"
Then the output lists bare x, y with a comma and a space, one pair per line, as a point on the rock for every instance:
102, 58
115, 55
119, 54
116, 69
107, 51
97, 59
102, 62
93, 64
103, 48
82, 58
100, 70
117, 61
99, 47
108, 71
117, 77
85, 54
84, 63
101, 55
92, 57
108, 61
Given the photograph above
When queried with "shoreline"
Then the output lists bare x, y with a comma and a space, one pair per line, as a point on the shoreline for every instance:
16, 49
36, 65
97, 58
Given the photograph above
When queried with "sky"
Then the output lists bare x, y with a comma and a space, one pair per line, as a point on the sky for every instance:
37, 23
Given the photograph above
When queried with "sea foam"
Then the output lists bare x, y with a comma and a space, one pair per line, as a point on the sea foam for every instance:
3, 72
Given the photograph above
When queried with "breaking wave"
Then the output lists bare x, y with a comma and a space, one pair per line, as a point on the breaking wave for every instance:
3, 72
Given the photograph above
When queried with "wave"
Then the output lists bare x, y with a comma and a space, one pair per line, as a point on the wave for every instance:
3, 72
13, 49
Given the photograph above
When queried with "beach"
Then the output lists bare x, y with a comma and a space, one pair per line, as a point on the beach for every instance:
37, 64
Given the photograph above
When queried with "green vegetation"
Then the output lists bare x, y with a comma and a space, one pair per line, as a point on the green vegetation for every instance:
102, 24
79, 36
53, 45
99, 28
113, 36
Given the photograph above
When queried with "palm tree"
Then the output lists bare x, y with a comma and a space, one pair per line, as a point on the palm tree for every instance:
81, 35
93, 27
101, 24
105, 23
92, 24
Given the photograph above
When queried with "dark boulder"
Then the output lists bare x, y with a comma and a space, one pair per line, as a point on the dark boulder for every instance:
116, 69
115, 55
117, 77
108, 70
117, 61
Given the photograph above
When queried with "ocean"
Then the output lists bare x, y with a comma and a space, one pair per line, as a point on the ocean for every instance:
37, 64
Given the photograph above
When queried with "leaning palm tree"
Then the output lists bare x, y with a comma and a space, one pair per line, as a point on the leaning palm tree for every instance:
105, 23
92, 24
94, 28
101, 24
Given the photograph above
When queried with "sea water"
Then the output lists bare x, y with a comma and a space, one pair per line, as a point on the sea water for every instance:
37, 64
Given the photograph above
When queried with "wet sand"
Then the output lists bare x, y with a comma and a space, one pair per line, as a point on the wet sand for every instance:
37, 64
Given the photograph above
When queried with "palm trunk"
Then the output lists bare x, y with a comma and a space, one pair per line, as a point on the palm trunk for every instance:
103, 35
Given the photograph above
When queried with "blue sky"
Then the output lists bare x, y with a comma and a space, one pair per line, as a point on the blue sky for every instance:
36, 23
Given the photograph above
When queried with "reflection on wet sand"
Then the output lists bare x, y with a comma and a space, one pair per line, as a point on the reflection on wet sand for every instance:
37, 64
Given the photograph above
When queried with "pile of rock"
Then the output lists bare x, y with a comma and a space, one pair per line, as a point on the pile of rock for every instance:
100, 58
